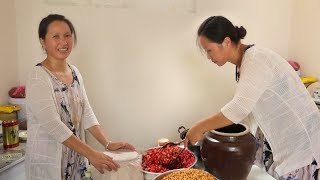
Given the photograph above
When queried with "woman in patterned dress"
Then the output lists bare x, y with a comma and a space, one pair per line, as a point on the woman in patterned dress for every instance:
58, 112
269, 92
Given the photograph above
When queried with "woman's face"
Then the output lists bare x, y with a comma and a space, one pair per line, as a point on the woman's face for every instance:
217, 53
58, 41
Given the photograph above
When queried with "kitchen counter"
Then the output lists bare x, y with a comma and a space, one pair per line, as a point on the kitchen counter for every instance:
11, 157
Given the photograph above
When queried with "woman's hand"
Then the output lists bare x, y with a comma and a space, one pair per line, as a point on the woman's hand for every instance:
120, 145
193, 135
101, 161
196, 132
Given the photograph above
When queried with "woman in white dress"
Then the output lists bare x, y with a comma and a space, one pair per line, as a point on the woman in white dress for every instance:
58, 112
270, 92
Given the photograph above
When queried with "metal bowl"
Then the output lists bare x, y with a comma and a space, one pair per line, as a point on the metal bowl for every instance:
151, 175
162, 175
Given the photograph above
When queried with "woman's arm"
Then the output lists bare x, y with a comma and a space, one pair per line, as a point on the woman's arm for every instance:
196, 132
97, 132
99, 160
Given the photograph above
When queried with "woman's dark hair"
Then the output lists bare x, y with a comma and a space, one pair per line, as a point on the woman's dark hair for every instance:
216, 28
45, 22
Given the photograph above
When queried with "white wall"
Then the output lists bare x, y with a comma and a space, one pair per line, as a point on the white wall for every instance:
8, 50
304, 42
144, 74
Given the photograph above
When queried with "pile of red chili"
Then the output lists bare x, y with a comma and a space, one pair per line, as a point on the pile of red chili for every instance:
156, 159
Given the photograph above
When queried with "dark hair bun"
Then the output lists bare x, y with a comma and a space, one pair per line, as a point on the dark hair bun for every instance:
241, 31
216, 28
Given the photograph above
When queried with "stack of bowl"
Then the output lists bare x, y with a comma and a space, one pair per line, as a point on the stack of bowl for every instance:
148, 175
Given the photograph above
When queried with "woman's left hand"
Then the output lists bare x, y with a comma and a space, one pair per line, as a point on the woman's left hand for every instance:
120, 145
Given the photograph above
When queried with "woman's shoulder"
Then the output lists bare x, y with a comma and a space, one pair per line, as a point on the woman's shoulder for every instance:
259, 54
37, 75
76, 70
257, 49
73, 67
264, 51
37, 71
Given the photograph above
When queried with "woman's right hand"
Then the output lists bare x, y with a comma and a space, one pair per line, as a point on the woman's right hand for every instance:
101, 161
194, 134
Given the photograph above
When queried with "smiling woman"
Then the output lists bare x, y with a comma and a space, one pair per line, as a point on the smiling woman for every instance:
58, 41
59, 111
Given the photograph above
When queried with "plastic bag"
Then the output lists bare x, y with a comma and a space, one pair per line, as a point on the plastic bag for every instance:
18, 92
9, 108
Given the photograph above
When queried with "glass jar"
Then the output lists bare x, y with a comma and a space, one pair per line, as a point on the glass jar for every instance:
10, 131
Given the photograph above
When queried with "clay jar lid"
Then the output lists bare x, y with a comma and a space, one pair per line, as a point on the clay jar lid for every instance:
232, 130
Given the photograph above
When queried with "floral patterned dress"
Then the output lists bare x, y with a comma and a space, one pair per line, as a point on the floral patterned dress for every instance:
70, 100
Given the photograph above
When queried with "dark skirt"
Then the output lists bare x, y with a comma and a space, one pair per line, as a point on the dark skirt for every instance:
264, 158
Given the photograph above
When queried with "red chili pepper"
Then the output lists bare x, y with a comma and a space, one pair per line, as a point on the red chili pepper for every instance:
154, 160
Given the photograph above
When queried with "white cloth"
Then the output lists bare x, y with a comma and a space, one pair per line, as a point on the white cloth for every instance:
272, 91
122, 155
46, 131
130, 166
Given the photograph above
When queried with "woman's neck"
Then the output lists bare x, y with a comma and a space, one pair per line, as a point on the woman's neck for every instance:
60, 69
53, 65
239, 52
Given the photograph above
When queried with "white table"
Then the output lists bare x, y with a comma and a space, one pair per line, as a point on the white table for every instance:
257, 173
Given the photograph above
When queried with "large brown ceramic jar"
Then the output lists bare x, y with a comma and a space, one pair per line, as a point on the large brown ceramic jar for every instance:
228, 153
